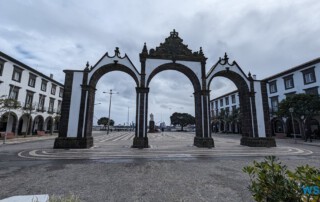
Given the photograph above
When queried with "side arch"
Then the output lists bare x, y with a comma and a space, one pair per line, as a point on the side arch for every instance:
38, 123
25, 124
93, 80
247, 104
48, 124
88, 95
8, 124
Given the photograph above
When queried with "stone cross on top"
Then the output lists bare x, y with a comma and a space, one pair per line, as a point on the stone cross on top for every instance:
174, 33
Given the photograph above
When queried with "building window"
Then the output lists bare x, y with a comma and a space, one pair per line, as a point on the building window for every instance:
59, 107
32, 80
1, 66
273, 87
309, 76
227, 100
61, 92
312, 91
216, 104
29, 99
16, 75
42, 99
233, 99
44, 85
53, 89
51, 104
221, 102
274, 104
288, 82
14, 92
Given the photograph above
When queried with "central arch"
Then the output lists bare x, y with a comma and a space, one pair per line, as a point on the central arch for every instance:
180, 68
195, 83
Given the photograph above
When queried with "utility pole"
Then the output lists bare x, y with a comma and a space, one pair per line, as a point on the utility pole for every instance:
110, 93
128, 117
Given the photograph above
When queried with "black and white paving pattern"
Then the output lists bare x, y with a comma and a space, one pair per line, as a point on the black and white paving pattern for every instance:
162, 146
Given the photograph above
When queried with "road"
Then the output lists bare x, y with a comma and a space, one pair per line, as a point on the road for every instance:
170, 170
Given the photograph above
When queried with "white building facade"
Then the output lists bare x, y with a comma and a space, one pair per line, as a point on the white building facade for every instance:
40, 97
225, 113
304, 78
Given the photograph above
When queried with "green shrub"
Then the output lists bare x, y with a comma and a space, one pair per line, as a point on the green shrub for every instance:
272, 182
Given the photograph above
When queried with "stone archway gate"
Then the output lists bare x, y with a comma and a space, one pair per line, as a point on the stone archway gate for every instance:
79, 95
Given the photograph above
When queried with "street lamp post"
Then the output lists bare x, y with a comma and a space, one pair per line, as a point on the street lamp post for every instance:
294, 134
110, 93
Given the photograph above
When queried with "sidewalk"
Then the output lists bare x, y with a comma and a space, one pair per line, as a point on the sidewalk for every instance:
315, 142
22, 139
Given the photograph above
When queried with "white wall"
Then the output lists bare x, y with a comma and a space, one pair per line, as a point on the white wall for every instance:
6, 79
299, 85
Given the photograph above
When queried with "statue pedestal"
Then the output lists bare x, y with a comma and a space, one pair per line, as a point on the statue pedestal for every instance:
151, 127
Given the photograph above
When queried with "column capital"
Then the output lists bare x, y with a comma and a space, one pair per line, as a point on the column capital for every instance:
142, 90
88, 87
202, 92
252, 93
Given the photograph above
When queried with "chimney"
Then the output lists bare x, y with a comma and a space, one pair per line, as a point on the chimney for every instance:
51, 76
254, 77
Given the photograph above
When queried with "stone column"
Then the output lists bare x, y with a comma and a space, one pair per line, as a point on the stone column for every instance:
141, 140
203, 131
84, 138
254, 140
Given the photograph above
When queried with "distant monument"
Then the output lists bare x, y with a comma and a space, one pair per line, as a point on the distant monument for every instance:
151, 125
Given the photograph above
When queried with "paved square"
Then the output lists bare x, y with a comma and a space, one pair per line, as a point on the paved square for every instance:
170, 170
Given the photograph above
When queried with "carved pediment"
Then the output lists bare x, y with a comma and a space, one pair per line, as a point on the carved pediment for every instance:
173, 49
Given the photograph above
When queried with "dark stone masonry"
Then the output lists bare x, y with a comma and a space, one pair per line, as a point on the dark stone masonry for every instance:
172, 54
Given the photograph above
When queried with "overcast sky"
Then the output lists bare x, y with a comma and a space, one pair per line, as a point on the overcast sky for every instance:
264, 37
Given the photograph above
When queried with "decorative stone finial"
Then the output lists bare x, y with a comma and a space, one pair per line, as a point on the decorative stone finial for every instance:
145, 50
249, 75
201, 52
87, 66
225, 57
117, 52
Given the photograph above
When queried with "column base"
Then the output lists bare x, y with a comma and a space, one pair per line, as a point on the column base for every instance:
140, 143
203, 142
73, 143
258, 141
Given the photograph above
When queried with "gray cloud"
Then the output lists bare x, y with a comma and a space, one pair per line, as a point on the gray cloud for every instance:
264, 37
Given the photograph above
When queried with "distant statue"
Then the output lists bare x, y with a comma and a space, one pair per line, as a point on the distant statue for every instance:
151, 117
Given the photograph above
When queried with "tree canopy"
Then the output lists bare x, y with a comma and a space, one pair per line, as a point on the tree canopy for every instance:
104, 121
7, 104
304, 106
182, 119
